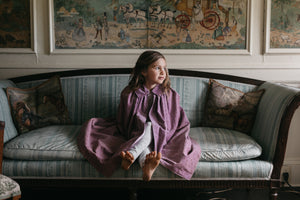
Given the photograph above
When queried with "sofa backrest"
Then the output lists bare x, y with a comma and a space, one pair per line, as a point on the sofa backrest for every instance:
99, 95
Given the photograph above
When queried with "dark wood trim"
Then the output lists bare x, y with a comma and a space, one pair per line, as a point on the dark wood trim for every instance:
175, 72
139, 184
133, 186
70, 73
2, 125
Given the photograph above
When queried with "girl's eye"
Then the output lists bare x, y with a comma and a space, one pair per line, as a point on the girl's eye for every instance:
158, 68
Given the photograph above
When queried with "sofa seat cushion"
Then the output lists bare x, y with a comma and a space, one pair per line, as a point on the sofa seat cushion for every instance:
219, 144
59, 143
56, 142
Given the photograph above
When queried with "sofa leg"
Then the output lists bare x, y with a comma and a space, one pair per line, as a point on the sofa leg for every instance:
248, 191
273, 194
16, 197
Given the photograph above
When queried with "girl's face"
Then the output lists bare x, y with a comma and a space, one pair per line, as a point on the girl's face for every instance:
155, 74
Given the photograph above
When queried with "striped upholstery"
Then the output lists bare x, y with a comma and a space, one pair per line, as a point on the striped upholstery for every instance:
218, 144
47, 143
59, 143
98, 96
52, 152
10, 131
268, 120
249, 169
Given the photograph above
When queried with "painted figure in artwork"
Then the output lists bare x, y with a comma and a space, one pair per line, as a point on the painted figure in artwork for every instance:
197, 12
79, 33
99, 27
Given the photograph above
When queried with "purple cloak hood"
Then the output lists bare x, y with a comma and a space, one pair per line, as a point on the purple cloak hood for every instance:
102, 140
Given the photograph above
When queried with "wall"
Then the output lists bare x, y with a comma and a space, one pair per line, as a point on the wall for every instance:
275, 67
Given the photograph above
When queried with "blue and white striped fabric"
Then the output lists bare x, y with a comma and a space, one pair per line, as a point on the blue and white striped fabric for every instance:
219, 145
99, 95
59, 143
10, 130
248, 169
270, 110
47, 143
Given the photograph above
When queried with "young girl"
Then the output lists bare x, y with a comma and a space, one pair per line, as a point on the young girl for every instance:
151, 126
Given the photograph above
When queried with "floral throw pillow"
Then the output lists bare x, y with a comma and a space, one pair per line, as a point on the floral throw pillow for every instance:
39, 106
230, 108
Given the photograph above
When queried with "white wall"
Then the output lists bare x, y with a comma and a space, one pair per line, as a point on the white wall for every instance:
276, 68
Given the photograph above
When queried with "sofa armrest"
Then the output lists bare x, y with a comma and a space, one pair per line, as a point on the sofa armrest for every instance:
283, 136
271, 116
271, 127
2, 124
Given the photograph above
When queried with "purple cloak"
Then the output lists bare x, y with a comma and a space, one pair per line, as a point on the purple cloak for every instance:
102, 140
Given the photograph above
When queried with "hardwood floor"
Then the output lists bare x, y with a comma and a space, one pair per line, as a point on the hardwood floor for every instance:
122, 194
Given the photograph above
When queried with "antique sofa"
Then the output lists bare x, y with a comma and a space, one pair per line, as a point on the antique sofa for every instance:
49, 156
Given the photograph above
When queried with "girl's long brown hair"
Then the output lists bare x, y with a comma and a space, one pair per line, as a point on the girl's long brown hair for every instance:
144, 61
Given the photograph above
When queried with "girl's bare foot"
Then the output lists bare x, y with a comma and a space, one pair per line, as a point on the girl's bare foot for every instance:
127, 159
151, 163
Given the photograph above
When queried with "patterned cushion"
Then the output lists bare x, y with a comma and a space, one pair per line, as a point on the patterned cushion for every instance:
8, 187
218, 144
39, 106
9, 131
230, 108
47, 143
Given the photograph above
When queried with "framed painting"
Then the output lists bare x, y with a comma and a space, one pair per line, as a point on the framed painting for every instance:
282, 31
186, 26
17, 29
